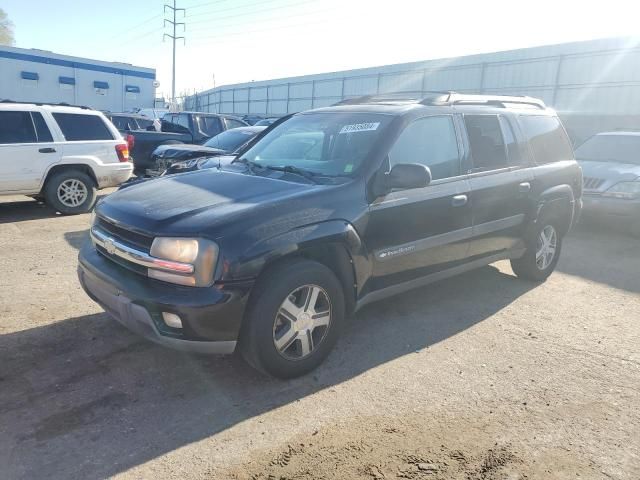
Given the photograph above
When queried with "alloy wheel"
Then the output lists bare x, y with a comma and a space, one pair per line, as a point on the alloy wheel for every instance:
546, 247
302, 322
72, 193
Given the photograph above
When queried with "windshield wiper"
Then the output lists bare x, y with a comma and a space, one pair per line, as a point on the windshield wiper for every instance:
295, 170
248, 163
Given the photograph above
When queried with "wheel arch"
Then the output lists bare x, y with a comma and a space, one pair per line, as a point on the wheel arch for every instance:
557, 202
55, 169
333, 244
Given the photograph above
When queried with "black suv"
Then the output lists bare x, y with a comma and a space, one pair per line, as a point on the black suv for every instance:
330, 210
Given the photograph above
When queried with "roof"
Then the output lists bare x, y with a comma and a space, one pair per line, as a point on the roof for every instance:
49, 58
8, 105
627, 133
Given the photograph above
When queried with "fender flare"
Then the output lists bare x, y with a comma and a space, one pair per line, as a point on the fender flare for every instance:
558, 201
334, 242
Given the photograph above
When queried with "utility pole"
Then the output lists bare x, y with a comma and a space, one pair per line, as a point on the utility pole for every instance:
173, 37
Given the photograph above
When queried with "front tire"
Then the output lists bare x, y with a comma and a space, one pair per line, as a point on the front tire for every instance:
70, 192
543, 252
293, 320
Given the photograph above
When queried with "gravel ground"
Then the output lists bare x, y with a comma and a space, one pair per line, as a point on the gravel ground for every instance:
479, 377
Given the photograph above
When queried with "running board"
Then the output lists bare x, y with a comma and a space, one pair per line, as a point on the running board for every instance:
435, 277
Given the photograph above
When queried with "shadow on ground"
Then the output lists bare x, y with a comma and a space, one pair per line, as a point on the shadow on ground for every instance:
84, 398
27, 209
613, 256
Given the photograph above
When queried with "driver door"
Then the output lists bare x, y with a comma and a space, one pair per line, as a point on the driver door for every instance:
416, 232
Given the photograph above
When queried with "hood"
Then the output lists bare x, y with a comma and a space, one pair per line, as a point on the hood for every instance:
600, 176
185, 151
189, 202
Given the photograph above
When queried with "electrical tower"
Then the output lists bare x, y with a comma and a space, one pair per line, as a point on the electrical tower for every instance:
173, 37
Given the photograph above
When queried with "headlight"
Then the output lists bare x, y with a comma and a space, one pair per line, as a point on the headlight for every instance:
627, 190
200, 253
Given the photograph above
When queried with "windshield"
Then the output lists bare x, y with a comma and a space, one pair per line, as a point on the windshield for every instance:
231, 139
330, 144
611, 148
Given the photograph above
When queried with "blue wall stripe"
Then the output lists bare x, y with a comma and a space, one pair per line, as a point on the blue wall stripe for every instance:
81, 65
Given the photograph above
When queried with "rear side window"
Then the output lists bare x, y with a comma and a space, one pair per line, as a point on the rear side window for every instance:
515, 155
549, 142
82, 127
121, 123
486, 141
430, 141
209, 126
233, 123
16, 127
42, 131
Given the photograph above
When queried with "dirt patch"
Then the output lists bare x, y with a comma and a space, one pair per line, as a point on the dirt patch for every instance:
401, 449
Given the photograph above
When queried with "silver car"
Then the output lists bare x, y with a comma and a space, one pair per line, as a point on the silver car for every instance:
610, 164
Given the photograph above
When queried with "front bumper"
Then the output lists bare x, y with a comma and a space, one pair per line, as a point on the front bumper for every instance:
599, 206
211, 316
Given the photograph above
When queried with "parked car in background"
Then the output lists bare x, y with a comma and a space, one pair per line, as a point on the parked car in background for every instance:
153, 113
60, 154
328, 211
178, 128
126, 122
265, 122
252, 119
610, 164
222, 144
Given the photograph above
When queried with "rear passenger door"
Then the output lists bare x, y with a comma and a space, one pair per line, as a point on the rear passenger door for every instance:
500, 178
27, 150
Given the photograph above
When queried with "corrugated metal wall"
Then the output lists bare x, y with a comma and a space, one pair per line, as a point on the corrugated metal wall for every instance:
598, 76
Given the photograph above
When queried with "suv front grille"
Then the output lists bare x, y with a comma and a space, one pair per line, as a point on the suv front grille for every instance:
591, 183
127, 236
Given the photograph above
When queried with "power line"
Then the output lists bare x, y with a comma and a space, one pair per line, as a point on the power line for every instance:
281, 27
236, 7
256, 11
265, 21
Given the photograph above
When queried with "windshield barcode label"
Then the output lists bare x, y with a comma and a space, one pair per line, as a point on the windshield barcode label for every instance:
360, 127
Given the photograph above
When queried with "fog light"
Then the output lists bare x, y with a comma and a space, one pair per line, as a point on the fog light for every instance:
172, 320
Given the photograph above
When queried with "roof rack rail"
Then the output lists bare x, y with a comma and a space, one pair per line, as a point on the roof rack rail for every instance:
454, 98
449, 98
387, 98
61, 104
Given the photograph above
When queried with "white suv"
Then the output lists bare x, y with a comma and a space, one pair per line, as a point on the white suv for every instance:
61, 154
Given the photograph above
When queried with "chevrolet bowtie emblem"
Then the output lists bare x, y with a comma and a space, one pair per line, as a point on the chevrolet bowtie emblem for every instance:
109, 246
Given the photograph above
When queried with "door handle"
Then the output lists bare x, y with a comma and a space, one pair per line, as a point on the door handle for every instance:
524, 187
47, 150
459, 200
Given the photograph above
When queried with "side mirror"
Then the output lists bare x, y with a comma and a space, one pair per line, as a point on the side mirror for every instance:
408, 175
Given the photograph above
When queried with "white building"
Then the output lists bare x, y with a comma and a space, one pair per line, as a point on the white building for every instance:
30, 75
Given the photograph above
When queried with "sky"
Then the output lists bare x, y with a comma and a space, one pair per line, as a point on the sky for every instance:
231, 41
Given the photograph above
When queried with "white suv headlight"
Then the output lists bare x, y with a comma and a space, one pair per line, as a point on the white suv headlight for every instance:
626, 190
200, 253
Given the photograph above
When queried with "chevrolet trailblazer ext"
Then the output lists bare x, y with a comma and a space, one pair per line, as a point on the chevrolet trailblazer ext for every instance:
332, 209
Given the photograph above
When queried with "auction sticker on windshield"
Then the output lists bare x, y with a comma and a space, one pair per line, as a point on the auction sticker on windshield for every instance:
360, 127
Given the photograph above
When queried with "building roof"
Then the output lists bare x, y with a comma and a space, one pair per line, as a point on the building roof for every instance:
46, 57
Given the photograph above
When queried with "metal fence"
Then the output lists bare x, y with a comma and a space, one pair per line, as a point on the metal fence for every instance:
599, 76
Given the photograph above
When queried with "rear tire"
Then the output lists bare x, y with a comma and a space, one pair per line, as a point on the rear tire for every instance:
293, 320
70, 192
544, 244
